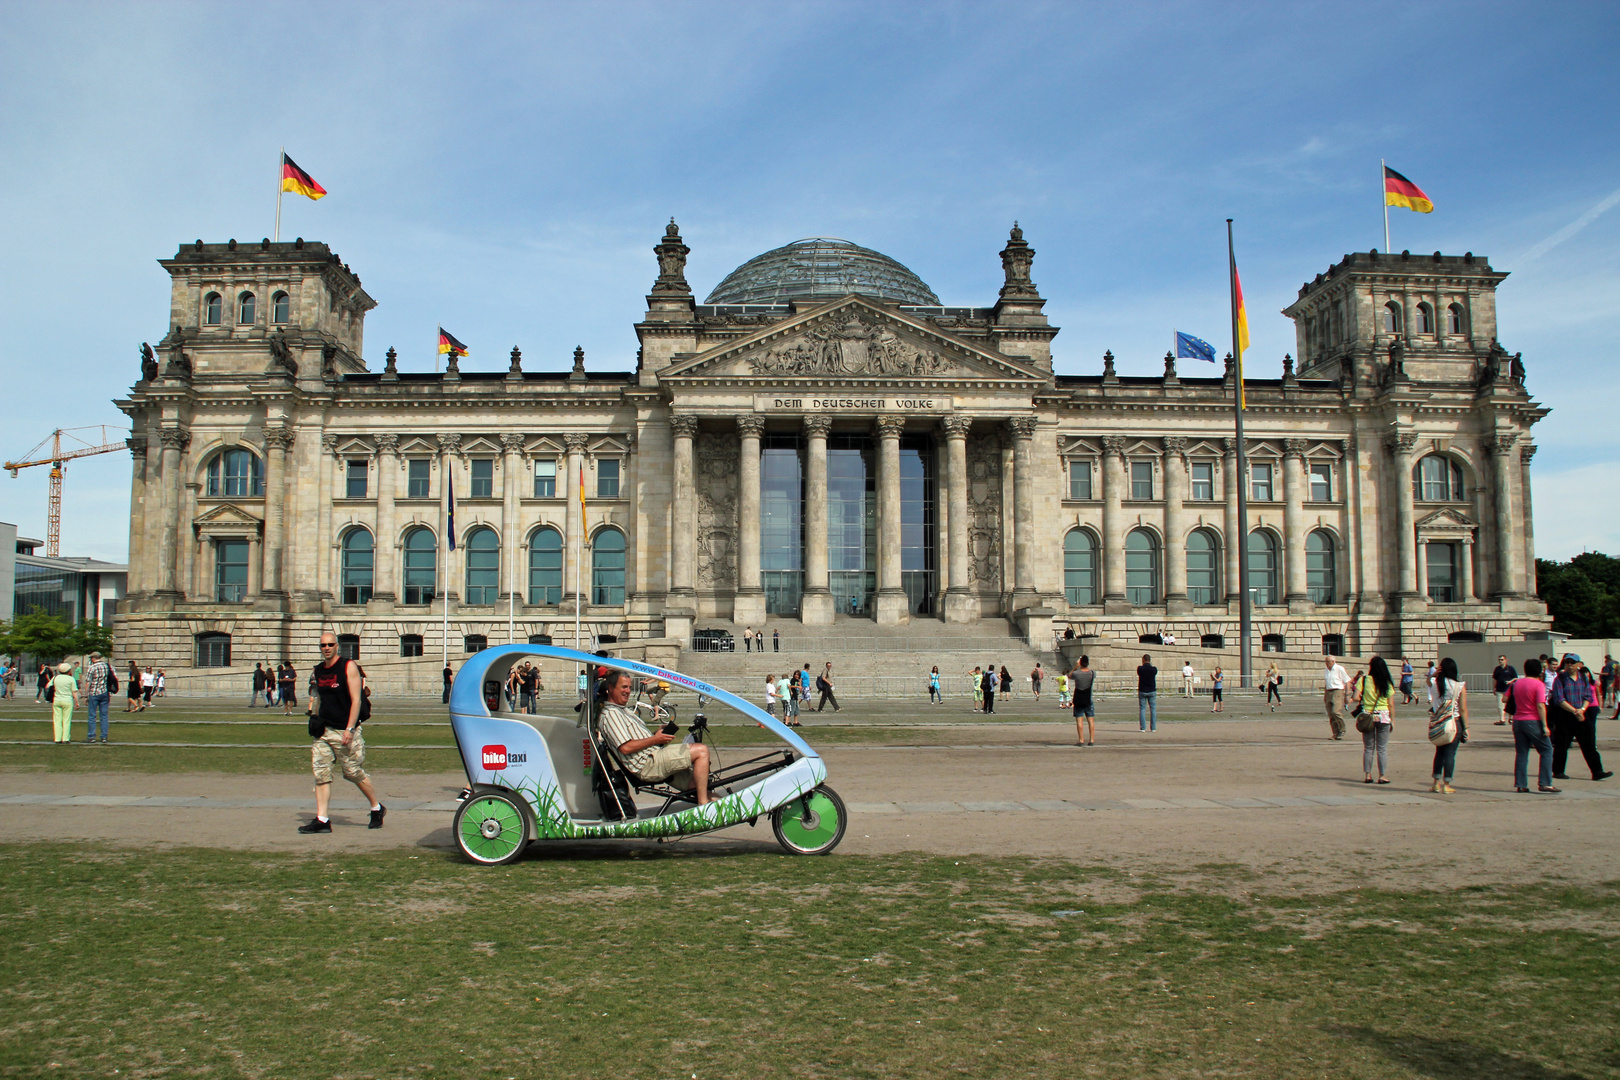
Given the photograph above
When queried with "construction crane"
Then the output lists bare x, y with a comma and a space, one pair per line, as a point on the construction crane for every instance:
105, 444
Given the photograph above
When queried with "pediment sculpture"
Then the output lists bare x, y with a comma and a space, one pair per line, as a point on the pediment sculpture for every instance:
853, 347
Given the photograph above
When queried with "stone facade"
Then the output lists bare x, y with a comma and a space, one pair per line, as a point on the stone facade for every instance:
832, 456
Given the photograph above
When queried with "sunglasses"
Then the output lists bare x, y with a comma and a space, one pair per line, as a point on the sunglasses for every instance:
328, 644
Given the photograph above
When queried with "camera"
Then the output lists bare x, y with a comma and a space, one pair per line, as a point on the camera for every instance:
671, 728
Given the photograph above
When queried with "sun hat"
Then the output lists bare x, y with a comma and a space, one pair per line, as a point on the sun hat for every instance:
64, 667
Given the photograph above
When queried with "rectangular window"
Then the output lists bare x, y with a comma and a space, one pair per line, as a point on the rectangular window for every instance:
410, 644
1079, 479
545, 479
1440, 561
607, 478
1141, 479
230, 571
356, 487
483, 478
1203, 480
416, 478
1260, 483
1321, 483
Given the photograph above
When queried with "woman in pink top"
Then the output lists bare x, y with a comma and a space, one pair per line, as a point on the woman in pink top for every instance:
1528, 696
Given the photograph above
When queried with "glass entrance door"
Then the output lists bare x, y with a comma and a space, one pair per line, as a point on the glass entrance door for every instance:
781, 532
851, 524
918, 565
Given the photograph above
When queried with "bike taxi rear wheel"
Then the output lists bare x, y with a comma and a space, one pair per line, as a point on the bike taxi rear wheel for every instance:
810, 825
490, 828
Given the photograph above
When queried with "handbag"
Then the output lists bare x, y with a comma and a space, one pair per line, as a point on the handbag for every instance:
50, 691
1443, 730
1365, 721
112, 682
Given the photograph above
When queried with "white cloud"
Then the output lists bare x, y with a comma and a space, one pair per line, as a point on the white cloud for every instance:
1574, 511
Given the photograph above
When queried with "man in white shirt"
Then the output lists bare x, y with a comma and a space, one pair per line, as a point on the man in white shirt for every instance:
1335, 680
1187, 676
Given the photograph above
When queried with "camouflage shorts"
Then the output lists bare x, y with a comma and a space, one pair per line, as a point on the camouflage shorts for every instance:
329, 748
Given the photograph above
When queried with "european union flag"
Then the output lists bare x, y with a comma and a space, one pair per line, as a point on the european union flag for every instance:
1194, 348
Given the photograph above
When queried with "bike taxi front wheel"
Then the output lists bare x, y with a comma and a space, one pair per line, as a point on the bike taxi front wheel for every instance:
490, 828
810, 824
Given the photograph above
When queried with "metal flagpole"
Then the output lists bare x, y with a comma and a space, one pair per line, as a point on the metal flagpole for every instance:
281, 167
1245, 609
1383, 197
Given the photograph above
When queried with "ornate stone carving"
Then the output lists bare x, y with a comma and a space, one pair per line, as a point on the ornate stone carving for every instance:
279, 437
179, 365
450, 443
137, 447
1526, 452
1170, 367
281, 353
956, 426
391, 363
1501, 443
512, 442
1022, 427
1113, 446
1288, 368
890, 427
516, 366
576, 441
984, 513
1294, 448
631, 441
149, 364
854, 347
175, 438
672, 255
1230, 445
1400, 443
751, 425
1016, 259
817, 425
329, 443
1175, 447
387, 443
715, 478
578, 372
1108, 365
684, 426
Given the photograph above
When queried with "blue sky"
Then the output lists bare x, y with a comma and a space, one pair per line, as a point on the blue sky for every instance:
506, 168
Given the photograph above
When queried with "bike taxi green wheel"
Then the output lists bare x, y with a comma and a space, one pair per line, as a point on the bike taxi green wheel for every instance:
812, 824
490, 828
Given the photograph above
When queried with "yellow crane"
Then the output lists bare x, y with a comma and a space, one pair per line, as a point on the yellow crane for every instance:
55, 459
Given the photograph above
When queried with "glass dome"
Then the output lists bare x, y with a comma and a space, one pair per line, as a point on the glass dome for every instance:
820, 268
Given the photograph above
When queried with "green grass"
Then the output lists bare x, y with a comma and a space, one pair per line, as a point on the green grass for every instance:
637, 961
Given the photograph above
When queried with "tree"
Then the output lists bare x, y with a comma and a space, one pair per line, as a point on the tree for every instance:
1582, 595
49, 638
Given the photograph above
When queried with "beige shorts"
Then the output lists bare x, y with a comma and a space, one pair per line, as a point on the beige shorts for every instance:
329, 748
668, 761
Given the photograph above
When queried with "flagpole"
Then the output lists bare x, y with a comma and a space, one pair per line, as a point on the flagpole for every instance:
1245, 610
281, 167
1383, 197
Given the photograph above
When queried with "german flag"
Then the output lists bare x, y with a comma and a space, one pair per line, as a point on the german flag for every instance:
1399, 191
448, 343
1242, 334
295, 179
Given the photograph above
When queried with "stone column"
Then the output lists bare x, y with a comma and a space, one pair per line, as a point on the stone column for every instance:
1113, 538
1468, 570
1296, 593
892, 607
1507, 464
278, 438
136, 582
574, 540
816, 609
1234, 547
961, 603
328, 478
680, 605
384, 566
1022, 431
511, 525
1175, 527
449, 580
1422, 568
749, 605
1401, 446
185, 571
151, 521
175, 440
255, 581
1526, 521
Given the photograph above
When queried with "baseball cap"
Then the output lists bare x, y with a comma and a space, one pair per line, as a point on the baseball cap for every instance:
1572, 656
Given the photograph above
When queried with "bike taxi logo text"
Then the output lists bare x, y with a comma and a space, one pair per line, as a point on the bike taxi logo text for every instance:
496, 757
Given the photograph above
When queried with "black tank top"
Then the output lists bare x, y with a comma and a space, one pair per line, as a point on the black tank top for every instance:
333, 686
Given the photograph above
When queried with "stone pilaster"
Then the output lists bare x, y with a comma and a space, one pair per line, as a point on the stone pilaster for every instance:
1527, 520
1401, 447
175, 440
1175, 525
449, 450
1507, 465
1113, 539
512, 476
1232, 481
575, 568
135, 584
328, 477
683, 551
384, 573
1021, 431
1297, 594
278, 439
961, 603
816, 608
749, 605
892, 607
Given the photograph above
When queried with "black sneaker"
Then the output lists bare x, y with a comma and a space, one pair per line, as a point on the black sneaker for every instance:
1603, 775
316, 825
377, 815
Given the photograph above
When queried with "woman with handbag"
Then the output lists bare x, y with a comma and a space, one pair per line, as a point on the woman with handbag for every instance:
1449, 725
1375, 718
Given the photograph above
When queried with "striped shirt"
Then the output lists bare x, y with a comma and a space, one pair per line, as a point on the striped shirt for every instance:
619, 726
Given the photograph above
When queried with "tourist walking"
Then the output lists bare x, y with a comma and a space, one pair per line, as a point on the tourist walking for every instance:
1376, 718
43, 677
64, 698
160, 682
1527, 704
790, 699
1082, 681
1501, 678
1035, 677
1006, 682
132, 688
148, 685
1448, 726
1335, 680
98, 680
287, 687
1147, 695
988, 684
977, 677
1188, 675
269, 685
1429, 687
335, 720
1273, 684
770, 696
934, 696
1574, 718
447, 678
1217, 683
1406, 681
824, 684
1063, 689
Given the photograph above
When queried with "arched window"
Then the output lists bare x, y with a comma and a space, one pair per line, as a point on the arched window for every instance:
1454, 319
1425, 319
358, 560
545, 566
213, 309
1203, 567
1263, 567
1392, 318
280, 308
1141, 568
236, 474
246, 305
1319, 566
1437, 479
607, 568
421, 565
1080, 567
483, 566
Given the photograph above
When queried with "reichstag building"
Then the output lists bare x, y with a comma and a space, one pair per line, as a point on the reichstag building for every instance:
820, 441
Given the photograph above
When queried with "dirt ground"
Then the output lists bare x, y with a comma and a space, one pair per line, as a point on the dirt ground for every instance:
911, 798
